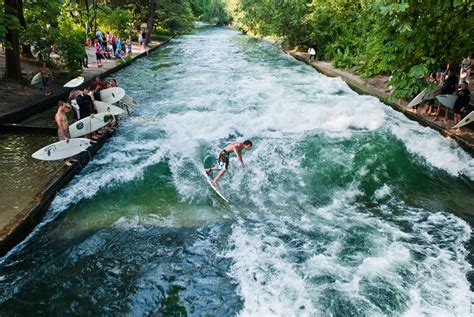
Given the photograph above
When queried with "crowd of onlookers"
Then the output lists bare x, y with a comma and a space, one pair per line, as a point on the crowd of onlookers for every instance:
110, 46
451, 80
82, 102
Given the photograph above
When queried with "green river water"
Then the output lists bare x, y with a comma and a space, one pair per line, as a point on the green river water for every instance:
344, 208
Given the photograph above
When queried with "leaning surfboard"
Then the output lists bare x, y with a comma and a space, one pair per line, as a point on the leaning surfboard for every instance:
216, 190
447, 100
90, 124
112, 95
103, 107
430, 95
62, 149
73, 83
36, 79
466, 120
418, 99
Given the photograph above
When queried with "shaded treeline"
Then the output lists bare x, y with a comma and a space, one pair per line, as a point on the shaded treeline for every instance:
404, 39
36, 29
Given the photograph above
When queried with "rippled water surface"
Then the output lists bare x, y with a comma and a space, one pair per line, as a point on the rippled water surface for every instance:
345, 207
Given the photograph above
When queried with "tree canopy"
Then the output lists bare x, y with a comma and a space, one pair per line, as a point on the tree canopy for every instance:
43, 27
404, 39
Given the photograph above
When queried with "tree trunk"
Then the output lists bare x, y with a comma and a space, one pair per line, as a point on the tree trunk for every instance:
26, 48
151, 21
12, 52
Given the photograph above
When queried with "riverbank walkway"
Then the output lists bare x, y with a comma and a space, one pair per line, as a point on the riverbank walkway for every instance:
16, 98
377, 86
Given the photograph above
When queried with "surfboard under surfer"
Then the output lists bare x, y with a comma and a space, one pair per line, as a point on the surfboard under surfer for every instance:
222, 164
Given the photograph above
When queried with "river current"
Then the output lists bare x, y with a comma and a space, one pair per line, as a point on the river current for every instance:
344, 208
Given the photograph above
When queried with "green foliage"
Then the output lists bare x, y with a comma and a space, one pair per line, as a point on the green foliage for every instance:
127, 60
402, 38
176, 16
117, 20
70, 46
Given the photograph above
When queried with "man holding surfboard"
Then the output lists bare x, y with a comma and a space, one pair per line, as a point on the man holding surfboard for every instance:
223, 161
63, 125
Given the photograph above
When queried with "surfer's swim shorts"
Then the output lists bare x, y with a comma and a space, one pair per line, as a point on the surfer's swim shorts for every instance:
63, 136
223, 162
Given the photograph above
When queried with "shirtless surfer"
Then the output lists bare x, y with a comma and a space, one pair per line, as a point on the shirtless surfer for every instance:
223, 160
63, 126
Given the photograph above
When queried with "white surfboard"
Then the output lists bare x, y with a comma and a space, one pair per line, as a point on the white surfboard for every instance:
213, 187
62, 149
466, 120
36, 79
129, 101
432, 94
418, 99
103, 107
447, 100
90, 124
74, 82
112, 95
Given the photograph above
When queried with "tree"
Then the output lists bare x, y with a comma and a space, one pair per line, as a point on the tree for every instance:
12, 52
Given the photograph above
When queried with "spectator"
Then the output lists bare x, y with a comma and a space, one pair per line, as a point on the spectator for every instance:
100, 84
440, 71
312, 53
99, 37
123, 47
144, 39
129, 46
139, 36
98, 53
465, 73
118, 44
112, 83
464, 96
114, 44
46, 78
430, 103
449, 87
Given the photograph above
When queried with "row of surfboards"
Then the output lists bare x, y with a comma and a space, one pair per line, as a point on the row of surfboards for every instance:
446, 100
114, 102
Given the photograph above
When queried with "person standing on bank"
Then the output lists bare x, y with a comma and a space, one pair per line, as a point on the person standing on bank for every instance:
449, 87
312, 53
63, 126
46, 78
98, 52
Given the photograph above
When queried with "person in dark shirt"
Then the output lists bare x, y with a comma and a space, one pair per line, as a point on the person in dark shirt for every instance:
86, 104
449, 86
464, 96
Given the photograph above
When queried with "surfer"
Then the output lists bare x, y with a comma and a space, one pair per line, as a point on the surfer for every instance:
63, 126
223, 161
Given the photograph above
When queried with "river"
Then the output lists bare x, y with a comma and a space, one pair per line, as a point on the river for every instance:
344, 207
